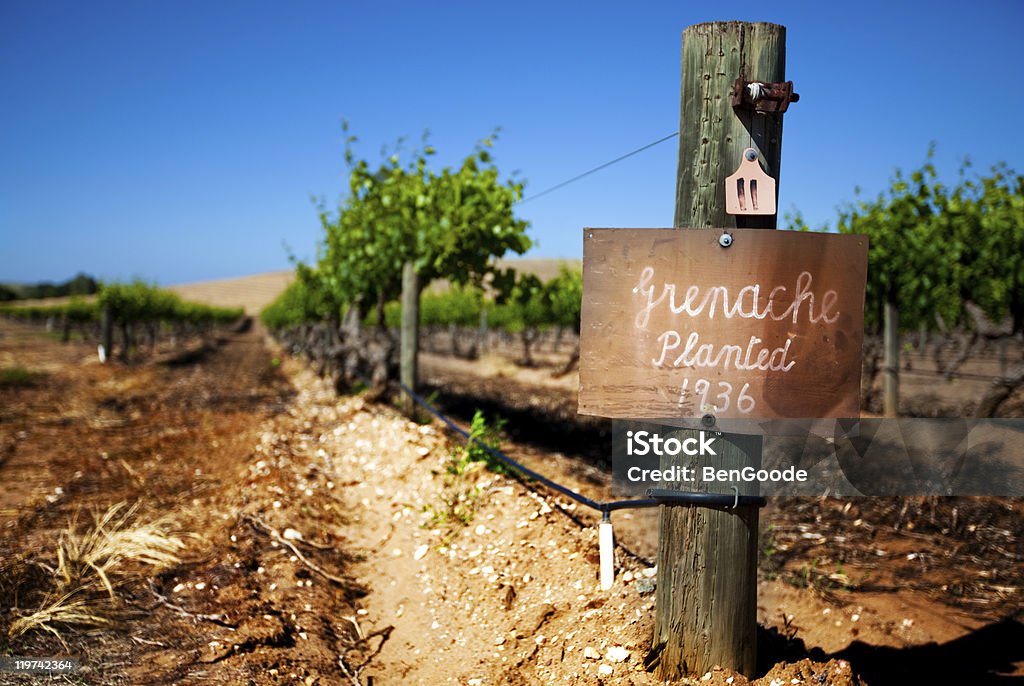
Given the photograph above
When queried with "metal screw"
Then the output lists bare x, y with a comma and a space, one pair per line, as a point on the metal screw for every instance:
725, 240
708, 420
751, 155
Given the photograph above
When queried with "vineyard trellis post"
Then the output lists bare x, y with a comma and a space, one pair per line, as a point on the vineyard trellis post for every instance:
107, 332
482, 330
410, 333
706, 603
891, 381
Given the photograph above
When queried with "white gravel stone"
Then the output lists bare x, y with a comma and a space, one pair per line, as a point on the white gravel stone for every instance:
617, 654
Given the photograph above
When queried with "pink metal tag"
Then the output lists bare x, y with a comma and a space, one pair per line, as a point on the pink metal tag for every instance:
749, 190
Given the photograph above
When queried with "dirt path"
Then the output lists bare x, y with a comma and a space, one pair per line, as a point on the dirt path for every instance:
512, 596
191, 436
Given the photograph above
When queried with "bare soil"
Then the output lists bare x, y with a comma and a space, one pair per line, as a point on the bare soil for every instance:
322, 547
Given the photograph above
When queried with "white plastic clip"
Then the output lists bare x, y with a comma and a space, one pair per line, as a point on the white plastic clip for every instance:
606, 545
736, 502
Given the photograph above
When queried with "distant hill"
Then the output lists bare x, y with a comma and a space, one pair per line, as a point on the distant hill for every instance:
251, 292
544, 267
259, 290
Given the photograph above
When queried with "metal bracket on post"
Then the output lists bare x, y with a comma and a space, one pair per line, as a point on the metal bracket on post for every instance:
761, 97
711, 501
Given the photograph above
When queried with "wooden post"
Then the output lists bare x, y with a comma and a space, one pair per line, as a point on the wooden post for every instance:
892, 360
1004, 354
712, 136
482, 332
706, 603
106, 333
410, 331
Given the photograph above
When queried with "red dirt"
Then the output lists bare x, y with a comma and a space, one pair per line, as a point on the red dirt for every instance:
379, 585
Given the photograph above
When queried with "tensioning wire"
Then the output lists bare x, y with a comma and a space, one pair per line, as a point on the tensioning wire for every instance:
597, 168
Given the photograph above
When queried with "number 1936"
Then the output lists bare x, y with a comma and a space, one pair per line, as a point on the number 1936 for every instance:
717, 396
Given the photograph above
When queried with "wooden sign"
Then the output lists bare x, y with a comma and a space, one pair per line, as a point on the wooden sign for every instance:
749, 190
674, 324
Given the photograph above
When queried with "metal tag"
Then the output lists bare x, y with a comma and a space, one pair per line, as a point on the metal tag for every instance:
749, 190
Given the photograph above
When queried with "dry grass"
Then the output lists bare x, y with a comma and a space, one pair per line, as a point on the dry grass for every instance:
112, 541
91, 564
64, 610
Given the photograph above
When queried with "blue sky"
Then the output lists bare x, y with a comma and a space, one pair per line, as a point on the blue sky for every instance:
182, 141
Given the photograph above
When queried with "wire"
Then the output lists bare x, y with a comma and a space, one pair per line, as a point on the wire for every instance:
655, 498
597, 168
497, 454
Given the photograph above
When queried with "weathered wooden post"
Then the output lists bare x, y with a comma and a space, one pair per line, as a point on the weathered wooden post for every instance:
482, 331
712, 327
891, 380
106, 333
706, 602
410, 333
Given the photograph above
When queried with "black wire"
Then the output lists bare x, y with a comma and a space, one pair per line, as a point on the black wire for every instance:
656, 497
497, 454
723, 501
597, 168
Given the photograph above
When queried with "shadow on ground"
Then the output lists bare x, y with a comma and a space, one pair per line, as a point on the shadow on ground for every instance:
988, 655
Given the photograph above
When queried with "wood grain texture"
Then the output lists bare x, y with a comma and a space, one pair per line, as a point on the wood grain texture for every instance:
707, 590
891, 379
706, 604
712, 137
647, 347
410, 334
